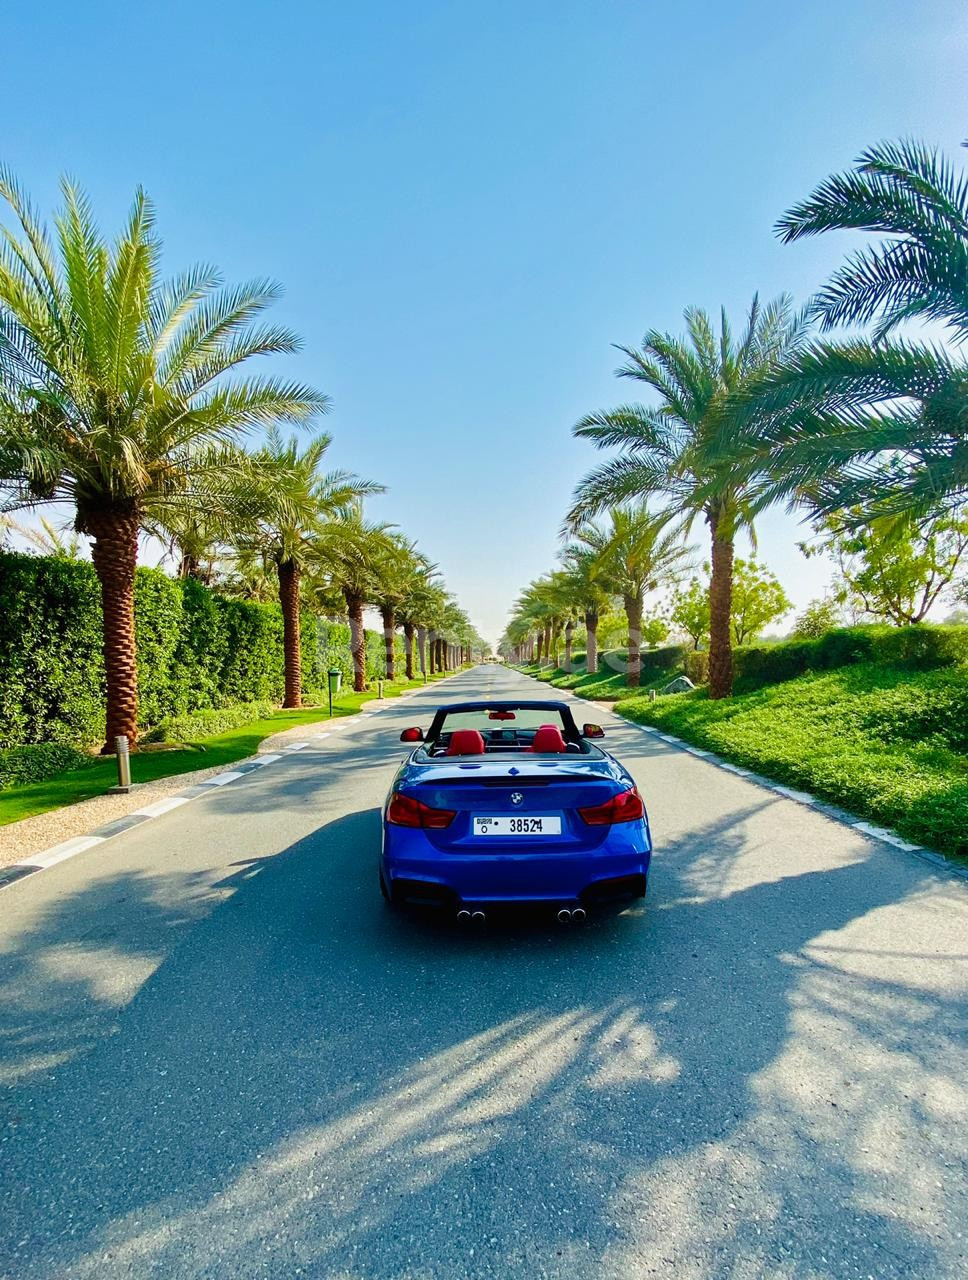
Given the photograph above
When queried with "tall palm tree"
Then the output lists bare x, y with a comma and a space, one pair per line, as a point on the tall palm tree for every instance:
674, 448
292, 499
397, 571
114, 385
830, 419
415, 608
347, 554
584, 572
636, 553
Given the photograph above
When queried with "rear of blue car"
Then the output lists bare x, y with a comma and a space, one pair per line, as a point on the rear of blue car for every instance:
567, 832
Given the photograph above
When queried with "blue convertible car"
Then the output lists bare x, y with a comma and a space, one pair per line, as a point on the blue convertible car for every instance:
509, 802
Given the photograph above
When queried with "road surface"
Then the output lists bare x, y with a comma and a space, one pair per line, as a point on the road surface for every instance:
223, 1057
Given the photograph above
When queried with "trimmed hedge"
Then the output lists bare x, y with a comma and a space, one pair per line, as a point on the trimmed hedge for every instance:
38, 762
197, 650
920, 648
206, 724
655, 662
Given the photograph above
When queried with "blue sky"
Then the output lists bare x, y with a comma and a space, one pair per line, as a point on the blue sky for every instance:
468, 203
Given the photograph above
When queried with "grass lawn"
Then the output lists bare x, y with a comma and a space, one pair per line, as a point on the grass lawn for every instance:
222, 749
603, 686
887, 742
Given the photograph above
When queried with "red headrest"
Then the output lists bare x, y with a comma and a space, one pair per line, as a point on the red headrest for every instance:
465, 742
548, 738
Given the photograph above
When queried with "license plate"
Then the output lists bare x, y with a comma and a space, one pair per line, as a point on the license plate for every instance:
514, 825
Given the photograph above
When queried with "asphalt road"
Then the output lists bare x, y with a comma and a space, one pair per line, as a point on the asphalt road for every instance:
223, 1057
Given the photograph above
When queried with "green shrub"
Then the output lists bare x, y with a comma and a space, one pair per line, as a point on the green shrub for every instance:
206, 724
655, 662
885, 741
922, 647
38, 762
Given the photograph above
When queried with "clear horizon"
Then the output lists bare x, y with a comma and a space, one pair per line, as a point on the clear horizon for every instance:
467, 210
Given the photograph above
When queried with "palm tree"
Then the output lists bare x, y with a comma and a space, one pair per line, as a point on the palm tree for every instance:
636, 552
675, 448
114, 386
827, 421
397, 572
346, 556
291, 501
583, 570
415, 608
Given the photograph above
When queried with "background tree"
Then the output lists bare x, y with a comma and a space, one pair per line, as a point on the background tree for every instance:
113, 385
582, 567
637, 553
345, 556
758, 601
819, 617
291, 500
896, 568
675, 448
689, 610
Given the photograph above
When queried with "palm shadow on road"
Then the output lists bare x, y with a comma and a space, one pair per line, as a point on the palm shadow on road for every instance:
306, 1081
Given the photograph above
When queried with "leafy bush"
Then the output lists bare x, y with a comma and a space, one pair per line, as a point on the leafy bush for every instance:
655, 662
206, 724
920, 647
886, 741
38, 762
196, 650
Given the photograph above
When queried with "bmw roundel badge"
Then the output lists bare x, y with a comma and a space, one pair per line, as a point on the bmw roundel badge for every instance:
517, 797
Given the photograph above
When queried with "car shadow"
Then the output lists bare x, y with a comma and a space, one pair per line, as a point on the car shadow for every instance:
309, 1083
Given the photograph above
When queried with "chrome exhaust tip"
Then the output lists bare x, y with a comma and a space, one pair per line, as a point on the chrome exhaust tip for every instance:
579, 915
478, 917
463, 917
564, 916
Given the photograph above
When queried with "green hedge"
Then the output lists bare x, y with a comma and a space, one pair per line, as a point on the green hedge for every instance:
196, 650
920, 648
206, 724
655, 662
38, 762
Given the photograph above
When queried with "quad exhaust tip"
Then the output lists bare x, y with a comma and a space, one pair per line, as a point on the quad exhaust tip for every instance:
463, 917
564, 916
579, 915
478, 917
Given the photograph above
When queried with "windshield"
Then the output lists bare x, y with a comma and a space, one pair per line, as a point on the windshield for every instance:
501, 718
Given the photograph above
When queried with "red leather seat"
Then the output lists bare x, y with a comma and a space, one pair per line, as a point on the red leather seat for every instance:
549, 739
465, 742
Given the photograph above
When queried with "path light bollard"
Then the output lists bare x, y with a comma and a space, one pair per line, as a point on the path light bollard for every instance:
335, 678
379, 688
124, 762
652, 695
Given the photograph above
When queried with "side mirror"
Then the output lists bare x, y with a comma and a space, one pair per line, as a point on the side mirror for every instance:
412, 735
592, 731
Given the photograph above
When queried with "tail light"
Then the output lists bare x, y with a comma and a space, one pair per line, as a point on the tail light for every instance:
405, 811
627, 806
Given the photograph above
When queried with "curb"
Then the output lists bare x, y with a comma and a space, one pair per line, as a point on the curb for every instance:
882, 834
79, 844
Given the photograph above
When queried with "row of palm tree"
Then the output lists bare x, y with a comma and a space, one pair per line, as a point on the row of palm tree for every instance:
780, 414
128, 397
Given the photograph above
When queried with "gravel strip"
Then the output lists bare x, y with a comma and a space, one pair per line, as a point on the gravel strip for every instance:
19, 840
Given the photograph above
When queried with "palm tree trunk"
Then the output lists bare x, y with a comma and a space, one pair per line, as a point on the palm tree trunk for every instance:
291, 639
408, 630
389, 628
720, 607
633, 612
591, 641
421, 649
354, 608
114, 551
569, 632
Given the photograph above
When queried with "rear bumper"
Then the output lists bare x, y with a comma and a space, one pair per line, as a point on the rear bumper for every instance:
414, 871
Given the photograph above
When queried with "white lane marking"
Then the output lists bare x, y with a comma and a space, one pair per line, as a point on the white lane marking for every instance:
296, 746
734, 768
270, 757
221, 779
667, 737
321, 736
66, 849
696, 751
801, 797
160, 806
